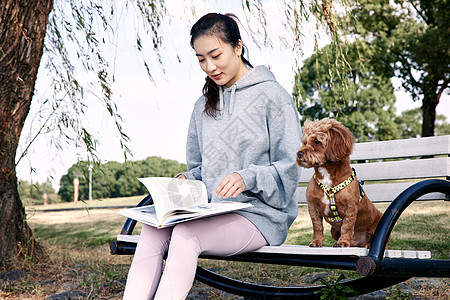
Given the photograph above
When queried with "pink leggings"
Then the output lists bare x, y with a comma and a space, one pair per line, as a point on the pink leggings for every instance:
221, 235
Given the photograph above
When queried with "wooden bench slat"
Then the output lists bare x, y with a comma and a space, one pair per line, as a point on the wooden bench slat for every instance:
436, 145
347, 251
384, 192
128, 238
306, 250
393, 170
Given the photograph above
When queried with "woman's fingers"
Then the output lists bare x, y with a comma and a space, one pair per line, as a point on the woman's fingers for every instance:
231, 186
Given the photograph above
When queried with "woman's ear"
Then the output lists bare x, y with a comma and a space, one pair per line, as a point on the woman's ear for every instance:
238, 48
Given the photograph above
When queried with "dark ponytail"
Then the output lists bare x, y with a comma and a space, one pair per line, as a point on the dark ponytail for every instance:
225, 27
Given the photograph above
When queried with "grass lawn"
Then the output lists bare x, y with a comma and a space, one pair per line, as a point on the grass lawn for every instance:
82, 237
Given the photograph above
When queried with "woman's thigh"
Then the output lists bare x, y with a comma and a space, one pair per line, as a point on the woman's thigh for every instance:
223, 235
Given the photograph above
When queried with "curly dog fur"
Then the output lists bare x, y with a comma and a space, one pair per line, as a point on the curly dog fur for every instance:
326, 147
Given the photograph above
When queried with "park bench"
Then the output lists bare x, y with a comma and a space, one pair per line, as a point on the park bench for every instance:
397, 171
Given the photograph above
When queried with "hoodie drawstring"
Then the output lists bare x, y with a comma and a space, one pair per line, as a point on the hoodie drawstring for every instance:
220, 101
231, 102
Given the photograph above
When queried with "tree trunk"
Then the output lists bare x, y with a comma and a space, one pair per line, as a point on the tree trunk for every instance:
429, 104
22, 30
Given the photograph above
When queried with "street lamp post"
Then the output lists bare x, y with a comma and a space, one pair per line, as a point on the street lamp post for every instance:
90, 182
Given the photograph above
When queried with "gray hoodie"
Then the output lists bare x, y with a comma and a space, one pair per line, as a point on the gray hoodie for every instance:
257, 134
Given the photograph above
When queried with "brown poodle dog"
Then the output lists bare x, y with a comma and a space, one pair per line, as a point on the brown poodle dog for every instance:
334, 193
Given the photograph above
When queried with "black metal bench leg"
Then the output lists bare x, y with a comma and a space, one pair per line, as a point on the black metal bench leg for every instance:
362, 285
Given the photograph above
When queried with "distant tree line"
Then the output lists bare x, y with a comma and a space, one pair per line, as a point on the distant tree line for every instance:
113, 179
33, 193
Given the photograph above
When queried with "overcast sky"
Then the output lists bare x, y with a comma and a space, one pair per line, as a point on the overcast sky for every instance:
156, 115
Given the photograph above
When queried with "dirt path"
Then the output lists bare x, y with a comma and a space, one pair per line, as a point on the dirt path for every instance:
75, 216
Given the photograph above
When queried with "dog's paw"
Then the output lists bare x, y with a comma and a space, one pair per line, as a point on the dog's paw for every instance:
341, 245
315, 244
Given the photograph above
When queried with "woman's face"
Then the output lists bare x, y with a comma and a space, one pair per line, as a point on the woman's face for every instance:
219, 60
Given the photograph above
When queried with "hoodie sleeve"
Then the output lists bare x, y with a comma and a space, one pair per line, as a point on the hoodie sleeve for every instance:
275, 184
193, 155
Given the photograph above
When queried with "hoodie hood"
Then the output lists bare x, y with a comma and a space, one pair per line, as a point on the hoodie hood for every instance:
254, 76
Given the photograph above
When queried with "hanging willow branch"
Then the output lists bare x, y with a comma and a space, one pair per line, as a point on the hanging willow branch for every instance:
325, 15
81, 72
79, 30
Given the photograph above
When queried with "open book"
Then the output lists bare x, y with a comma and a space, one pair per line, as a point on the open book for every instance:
177, 200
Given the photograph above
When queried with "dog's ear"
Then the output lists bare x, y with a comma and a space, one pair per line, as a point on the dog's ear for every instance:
340, 144
307, 126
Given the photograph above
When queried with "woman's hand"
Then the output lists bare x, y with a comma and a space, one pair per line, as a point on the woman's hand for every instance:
231, 186
181, 176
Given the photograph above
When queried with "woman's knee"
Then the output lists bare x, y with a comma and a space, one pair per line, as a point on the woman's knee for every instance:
185, 236
156, 239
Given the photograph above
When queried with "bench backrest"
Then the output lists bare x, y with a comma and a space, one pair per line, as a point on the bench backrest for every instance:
388, 167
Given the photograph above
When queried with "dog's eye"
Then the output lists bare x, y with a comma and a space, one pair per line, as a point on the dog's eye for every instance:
317, 142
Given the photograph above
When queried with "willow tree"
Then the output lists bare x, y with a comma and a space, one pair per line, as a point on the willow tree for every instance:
67, 31
28, 29
22, 32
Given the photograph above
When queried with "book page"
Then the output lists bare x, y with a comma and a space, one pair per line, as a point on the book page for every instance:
144, 214
147, 214
205, 209
174, 193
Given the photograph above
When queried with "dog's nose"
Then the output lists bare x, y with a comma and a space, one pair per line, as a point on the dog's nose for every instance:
299, 155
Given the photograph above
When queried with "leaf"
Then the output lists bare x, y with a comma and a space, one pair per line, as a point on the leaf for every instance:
247, 2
